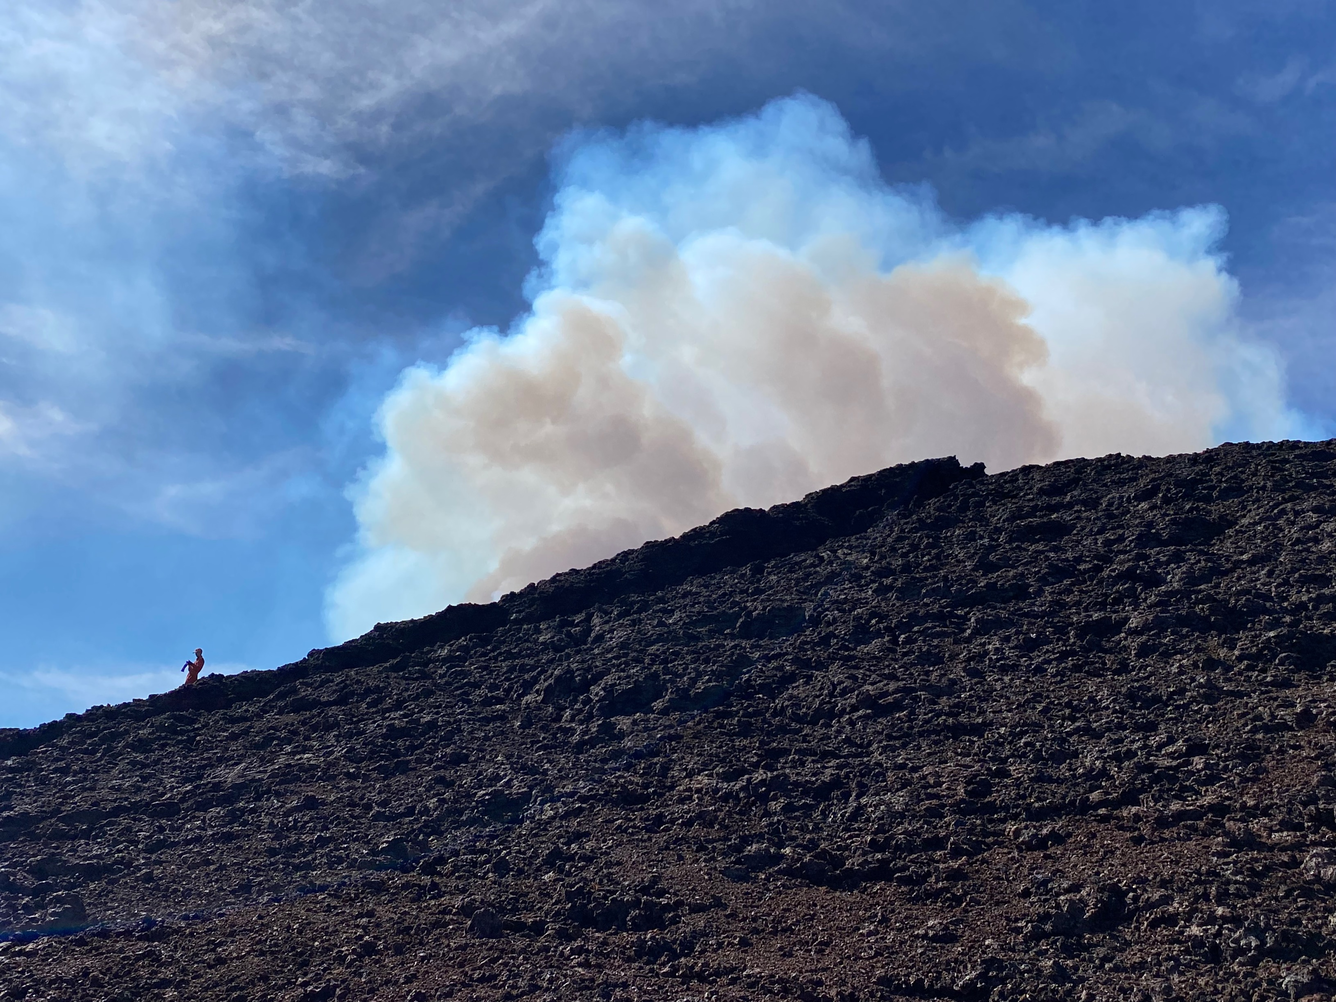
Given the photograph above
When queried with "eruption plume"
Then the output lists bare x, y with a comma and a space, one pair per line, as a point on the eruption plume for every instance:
740, 313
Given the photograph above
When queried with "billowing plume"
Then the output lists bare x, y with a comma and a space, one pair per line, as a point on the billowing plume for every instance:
740, 313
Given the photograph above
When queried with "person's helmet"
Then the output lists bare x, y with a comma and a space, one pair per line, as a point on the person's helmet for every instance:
199, 650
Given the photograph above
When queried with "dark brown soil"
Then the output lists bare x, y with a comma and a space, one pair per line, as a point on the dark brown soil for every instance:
1064, 732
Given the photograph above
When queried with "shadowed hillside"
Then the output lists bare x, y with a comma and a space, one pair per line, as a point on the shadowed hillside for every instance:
1063, 732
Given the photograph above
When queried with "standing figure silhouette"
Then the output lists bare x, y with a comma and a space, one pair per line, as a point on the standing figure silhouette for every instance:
193, 668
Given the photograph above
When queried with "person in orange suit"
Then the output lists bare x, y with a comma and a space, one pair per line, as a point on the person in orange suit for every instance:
193, 668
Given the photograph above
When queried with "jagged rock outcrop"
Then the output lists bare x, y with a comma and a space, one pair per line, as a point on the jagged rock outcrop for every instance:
1061, 732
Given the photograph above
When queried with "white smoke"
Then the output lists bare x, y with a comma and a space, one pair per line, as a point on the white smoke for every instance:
740, 313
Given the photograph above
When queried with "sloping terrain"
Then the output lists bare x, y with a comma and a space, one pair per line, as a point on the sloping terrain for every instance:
1063, 732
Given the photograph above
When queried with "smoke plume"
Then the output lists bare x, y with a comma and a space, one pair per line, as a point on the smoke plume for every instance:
740, 313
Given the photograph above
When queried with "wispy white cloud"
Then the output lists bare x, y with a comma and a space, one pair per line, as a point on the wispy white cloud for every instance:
1056, 149
1267, 88
1295, 78
316, 83
259, 343
28, 432
62, 687
70, 80
39, 326
230, 502
1082, 141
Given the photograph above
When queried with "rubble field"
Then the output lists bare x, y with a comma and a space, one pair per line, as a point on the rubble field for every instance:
1065, 732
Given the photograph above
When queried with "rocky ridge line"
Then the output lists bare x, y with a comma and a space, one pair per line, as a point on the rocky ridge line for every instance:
735, 538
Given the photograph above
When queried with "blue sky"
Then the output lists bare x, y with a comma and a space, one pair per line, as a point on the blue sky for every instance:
228, 230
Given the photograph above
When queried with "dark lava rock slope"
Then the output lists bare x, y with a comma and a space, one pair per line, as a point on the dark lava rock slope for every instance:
1063, 732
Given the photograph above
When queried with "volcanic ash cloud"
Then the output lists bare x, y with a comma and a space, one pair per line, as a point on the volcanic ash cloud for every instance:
740, 313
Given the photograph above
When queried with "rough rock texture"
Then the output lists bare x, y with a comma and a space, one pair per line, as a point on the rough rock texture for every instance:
1064, 732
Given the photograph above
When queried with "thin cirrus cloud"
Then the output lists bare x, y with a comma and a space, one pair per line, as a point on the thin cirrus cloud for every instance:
738, 313
318, 85
51, 688
131, 279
